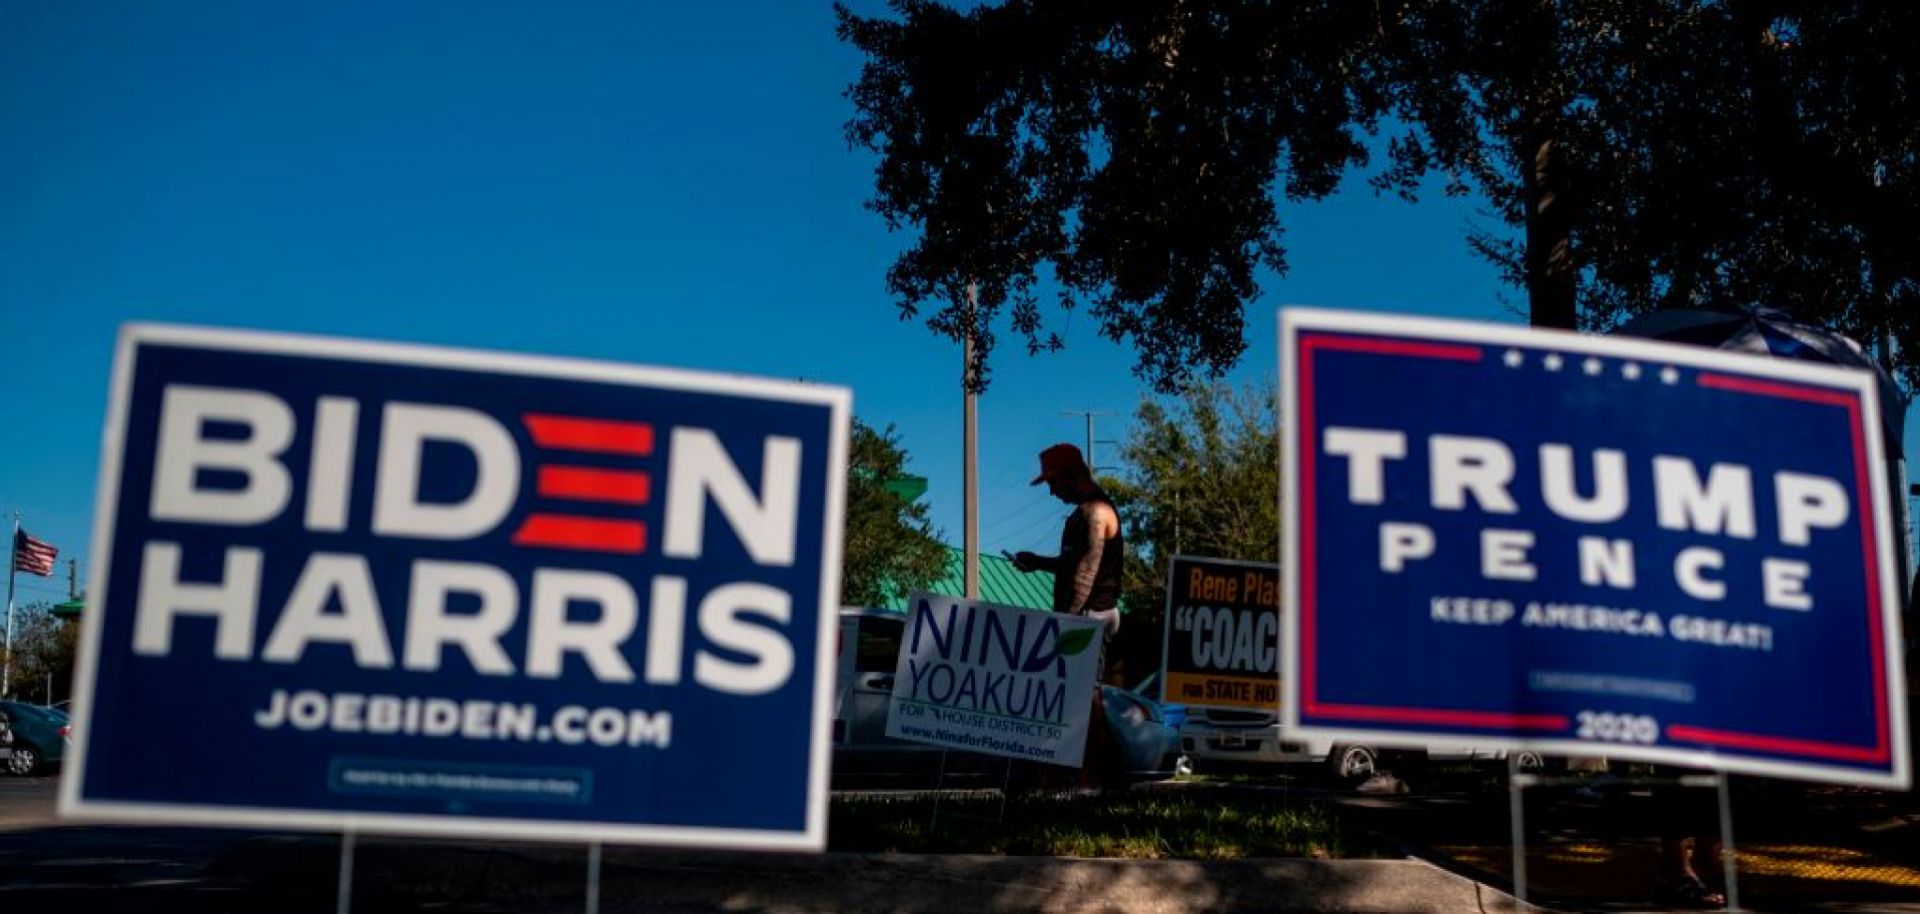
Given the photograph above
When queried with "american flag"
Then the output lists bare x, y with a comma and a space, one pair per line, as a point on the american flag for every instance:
31, 555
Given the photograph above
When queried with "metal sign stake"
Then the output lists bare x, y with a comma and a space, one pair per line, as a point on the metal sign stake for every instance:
1729, 861
343, 896
593, 878
940, 787
1006, 787
1516, 783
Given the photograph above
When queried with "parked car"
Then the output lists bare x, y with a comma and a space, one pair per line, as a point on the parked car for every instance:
1218, 737
39, 737
1149, 689
1148, 744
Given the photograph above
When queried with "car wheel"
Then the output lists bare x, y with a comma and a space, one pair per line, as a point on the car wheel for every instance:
1353, 763
24, 761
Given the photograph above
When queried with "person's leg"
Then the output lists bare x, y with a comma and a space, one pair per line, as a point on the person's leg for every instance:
1689, 867
1096, 763
1687, 876
1708, 866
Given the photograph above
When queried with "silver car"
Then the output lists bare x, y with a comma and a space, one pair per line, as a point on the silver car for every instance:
1148, 743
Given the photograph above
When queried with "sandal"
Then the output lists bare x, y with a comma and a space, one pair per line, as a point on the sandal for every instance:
1689, 892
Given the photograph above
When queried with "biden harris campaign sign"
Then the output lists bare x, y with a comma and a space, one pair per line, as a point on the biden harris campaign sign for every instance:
1587, 545
352, 584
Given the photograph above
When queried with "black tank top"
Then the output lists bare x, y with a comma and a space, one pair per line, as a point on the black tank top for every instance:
1106, 580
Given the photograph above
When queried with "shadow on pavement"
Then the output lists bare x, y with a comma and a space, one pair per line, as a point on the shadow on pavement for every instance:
111, 870
1798, 847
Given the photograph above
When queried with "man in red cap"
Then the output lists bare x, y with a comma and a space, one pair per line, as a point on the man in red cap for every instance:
1086, 573
1086, 582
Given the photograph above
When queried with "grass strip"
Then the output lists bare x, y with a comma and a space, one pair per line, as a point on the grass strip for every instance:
1194, 825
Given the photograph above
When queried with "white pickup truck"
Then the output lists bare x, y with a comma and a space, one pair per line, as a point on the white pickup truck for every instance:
1218, 736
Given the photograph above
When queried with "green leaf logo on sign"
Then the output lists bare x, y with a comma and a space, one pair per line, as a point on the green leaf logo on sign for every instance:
1072, 643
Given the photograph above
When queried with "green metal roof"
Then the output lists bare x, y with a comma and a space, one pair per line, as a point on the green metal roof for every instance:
1000, 583
908, 488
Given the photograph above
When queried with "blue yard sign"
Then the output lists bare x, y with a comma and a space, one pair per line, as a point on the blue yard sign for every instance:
1587, 545
350, 584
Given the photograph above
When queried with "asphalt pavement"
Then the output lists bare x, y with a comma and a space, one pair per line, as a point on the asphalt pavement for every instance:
26, 802
1453, 862
46, 866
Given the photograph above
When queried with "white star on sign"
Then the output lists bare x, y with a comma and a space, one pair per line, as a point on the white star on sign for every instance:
1630, 371
1592, 367
1669, 375
1514, 359
1552, 361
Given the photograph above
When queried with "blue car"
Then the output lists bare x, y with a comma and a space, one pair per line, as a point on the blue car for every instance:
39, 737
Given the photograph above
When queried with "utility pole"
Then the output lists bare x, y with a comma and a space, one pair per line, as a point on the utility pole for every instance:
13, 547
971, 444
73, 579
1902, 510
1089, 415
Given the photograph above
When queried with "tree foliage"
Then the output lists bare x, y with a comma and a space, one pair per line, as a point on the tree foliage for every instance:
890, 546
1696, 153
1128, 150
1644, 154
44, 646
1202, 478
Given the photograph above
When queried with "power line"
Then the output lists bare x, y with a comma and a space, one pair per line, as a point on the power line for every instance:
1020, 535
1036, 502
1032, 499
42, 588
1089, 415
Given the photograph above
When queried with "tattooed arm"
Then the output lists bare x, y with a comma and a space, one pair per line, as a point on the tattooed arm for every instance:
1102, 524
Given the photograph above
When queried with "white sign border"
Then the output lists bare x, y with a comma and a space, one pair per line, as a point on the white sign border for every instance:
1293, 319
74, 805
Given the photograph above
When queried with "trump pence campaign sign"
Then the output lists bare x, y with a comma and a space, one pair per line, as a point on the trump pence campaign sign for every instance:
1587, 545
351, 584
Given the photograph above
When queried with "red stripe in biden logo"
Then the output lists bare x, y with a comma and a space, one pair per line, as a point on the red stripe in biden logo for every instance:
624, 487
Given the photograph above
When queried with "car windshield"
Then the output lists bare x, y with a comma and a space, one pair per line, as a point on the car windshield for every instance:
878, 648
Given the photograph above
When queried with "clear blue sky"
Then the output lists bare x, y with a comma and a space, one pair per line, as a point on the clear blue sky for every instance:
654, 183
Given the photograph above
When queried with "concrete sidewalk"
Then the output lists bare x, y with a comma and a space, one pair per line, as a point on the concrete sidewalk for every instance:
81, 870
75, 870
904, 884
45, 866
1797, 847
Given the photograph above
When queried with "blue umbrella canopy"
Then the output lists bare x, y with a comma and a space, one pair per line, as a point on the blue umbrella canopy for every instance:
1765, 331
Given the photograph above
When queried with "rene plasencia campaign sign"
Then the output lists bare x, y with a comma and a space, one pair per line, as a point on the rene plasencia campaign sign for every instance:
400, 588
998, 680
1222, 644
1586, 545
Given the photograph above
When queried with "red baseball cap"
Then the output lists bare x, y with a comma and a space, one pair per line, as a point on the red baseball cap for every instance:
1061, 458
